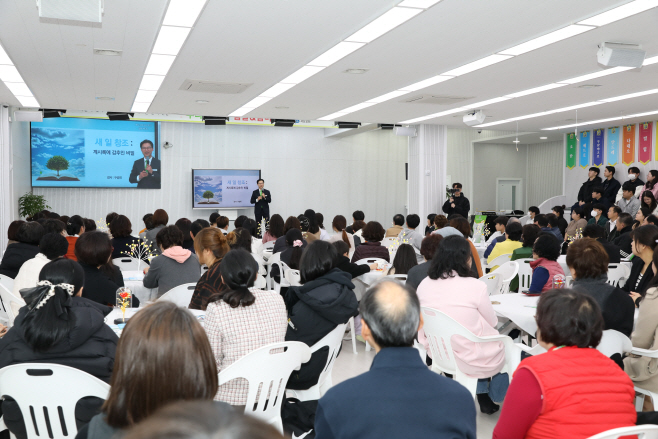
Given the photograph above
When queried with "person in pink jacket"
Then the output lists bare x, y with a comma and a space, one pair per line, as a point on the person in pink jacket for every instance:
450, 289
651, 184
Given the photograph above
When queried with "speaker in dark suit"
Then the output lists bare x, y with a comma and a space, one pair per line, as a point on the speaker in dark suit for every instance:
261, 198
146, 170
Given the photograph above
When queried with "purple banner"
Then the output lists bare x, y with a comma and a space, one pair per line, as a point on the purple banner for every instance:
597, 147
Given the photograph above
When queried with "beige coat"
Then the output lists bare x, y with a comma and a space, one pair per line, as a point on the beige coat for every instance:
643, 370
393, 231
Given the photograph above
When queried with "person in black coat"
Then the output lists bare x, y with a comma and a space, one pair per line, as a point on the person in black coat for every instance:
610, 185
102, 278
595, 231
343, 261
146, 170
644, 244
27, 247
585, 192
120, 229
624, 239
65, 329
261, 198
291, 255
325, 300
458, 203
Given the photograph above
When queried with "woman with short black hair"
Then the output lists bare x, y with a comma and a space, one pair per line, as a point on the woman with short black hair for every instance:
643, 246
552, 394
280, 243
254, 230
274, 229
51, 247
324, 300
159, 220
373, 233
562, 224
122, 241
59, 326
242, 319
313, 233
12, 231
28, 236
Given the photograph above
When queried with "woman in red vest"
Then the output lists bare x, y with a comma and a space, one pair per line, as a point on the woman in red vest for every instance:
545, 251
572, 391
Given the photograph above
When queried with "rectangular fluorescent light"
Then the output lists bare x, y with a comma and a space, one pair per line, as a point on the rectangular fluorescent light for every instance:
10, 74
631, 95
170, 40
4, 58
27, 101
140, 107
256, 102
535, 90
18, 89
488, 102
545, 40
302, 74
388, 96
145, 96
151, 82
610, 119
426, 83
241, 112
490, 124
476, 65
357, 107
422, 4
336, 53
183, 12
276, 90
432, 116
159, 64
600, 74
619, 13
384, 23
649, 61
332, 116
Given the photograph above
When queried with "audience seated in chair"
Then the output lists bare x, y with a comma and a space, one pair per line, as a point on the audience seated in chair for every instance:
399, 397
159, 221
553, 224
596, 232
12, 232
610, 229
624, 239
339, 225
256, 243
641, 216
120, 229
357, 216
512, 242
460, 224
275, 228
450, 289
343, 261
324, 300
319, 218
561, 393
397, 227
148, 224
644, 243
577, 224
412, 236
211, 246
562, 223
405, 260
163, 356
222, 224
62, 328
200, 224
27, 247
75, 227
175, 266
628, 203
313, 233
373, 233
185, 226
241, 319
545, 267
498, 236
51, 247
529, 234
428, 249
280, 243
291, 255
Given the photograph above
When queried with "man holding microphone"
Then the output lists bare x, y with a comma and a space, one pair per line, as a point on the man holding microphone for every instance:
261, 198
146, 170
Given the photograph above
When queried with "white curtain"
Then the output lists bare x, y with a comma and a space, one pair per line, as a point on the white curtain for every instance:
6, 189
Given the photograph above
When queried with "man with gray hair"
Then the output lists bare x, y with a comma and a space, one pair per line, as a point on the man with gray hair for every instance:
399, 397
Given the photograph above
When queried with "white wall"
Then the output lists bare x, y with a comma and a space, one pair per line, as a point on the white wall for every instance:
20, 135
301, 167
545, 171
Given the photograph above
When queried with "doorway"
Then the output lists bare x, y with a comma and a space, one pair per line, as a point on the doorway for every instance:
509, 194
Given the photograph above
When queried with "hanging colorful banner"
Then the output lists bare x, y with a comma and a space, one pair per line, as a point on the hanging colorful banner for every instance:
583, 152
646, 131
612, 137
597, 147
628, 153
571, 150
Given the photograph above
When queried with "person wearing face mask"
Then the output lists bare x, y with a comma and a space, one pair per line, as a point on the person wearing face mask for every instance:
634, 180
651, 184
610, 185
597, 215
533, 211
598, 198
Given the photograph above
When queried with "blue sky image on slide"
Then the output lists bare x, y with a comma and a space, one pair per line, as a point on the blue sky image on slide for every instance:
49, 142
204, 183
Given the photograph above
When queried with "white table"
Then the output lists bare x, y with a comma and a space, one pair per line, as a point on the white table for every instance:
373, 276
134, 281
116, 313
519, 308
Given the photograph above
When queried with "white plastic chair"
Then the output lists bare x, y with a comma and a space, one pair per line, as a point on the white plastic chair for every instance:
353, 333
493, 281
372, 261
333, 340
283, 282
204, 268
129, 264
616, 273
7, 282
180, 295
276, 257
639, 431
261, 264
260, 282
50, 392
654, 396
269, 245
625, 270
500, 260
508, 271
293, 277
525, 274
440, 328
614, 342
10, 304
267, 370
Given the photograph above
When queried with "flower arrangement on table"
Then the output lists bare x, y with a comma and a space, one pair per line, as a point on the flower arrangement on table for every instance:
124, 300
102, 226
140, 251
575, 237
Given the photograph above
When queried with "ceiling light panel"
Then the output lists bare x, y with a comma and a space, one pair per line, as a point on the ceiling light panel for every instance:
4, 58
490, 124
140, 107
432, 116
256, 102
545, 40
14, 81
276, 90
183, 12
610, 119
151, 82
241, 112
576, 107
426, 83
477, 65
159, 64
145, 95
535, 90
388, 96
386, 22
631, 95
170, 40
649, 61
621, 12
422, 4
302, 74
339, 51
332, 116
28, 101
600, 74
10, 74
488, 102
18, 88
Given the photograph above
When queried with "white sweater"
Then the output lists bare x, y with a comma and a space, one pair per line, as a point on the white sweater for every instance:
28, 275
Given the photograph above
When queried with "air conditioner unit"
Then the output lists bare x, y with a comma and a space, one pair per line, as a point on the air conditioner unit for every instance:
406, 131
475, 118
28, 116
620, 55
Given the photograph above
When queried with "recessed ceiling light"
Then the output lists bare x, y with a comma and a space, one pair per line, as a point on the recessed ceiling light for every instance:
599, 74
535, 90
356, 71
302, 74
151, 82
336, 53
104, 98
282, 108
170, 40
159, 64
140, 107
476, 65
201, 101
543, 138
107, 52
183, 12
18, 88
589, 86
384, 23
4, 58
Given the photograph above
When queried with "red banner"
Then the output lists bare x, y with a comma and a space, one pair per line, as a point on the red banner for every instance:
645, 144
628, 148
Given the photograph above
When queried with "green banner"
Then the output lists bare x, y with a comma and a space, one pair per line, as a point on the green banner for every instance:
572, 141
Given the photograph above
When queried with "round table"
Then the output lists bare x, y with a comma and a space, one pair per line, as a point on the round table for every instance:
134, 281
116, 314
519, 308
373, 276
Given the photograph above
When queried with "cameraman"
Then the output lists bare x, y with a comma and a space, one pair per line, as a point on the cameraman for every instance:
458, 203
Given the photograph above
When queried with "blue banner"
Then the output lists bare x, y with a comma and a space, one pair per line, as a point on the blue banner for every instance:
583, 149
613, 145
597, 147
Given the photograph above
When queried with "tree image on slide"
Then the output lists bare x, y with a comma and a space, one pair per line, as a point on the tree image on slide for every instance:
208, 195
58, 163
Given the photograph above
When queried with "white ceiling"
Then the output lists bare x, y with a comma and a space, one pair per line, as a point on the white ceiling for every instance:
263, 41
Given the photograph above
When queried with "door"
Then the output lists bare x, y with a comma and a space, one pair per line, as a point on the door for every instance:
508, 194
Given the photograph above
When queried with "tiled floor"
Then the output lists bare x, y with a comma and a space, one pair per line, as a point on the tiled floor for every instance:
349, 365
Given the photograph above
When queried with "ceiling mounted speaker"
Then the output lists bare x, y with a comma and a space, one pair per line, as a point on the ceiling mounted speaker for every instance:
283, 122
387, 126
348, 124
119, 116
215, 120
405, 131
75, 10
51, 112
28, 116
620, 55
